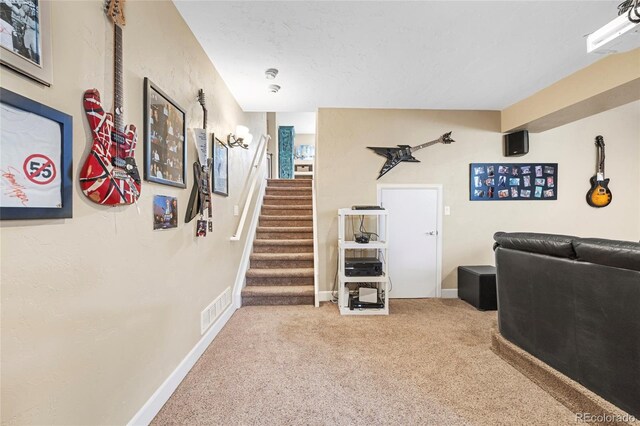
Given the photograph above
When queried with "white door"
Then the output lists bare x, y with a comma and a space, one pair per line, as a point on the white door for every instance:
413, 240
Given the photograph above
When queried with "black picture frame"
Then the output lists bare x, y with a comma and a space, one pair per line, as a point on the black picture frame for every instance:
220, 167
65, 165
513, 181
165, 138
35, 60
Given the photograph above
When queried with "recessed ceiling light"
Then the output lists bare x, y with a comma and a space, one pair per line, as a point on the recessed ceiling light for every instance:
271, 73
273, 88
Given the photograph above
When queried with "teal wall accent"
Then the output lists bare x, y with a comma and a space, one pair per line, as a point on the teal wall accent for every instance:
286, 136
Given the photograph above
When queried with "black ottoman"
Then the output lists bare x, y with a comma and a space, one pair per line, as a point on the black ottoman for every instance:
477, 285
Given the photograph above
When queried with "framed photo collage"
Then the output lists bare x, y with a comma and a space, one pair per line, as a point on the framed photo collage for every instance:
513, 181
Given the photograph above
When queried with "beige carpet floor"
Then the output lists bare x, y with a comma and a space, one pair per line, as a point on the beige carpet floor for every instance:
428, 363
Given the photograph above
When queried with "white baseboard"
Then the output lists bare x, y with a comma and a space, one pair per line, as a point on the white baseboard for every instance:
166, 389
325, 296
237, 300
449, 293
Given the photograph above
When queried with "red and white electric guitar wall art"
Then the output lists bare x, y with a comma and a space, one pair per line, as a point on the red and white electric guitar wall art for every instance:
110, 175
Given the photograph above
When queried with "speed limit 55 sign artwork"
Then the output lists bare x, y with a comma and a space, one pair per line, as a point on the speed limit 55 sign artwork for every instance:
35, 159
40, 169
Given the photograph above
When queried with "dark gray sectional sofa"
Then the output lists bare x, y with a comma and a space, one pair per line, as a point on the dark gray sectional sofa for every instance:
574, 303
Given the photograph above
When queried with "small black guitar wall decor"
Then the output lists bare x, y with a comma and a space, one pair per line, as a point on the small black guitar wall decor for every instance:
404, 153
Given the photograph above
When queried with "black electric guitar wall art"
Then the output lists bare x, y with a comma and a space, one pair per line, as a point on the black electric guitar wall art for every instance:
599, 194
402, 153
200, 199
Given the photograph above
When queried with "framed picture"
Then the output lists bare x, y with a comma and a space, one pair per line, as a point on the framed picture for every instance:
26, 38
35, 159
220, 174
165, 212
513, 181
165, 136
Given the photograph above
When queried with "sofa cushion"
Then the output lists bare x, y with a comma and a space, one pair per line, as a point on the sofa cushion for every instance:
618, 254
550, 244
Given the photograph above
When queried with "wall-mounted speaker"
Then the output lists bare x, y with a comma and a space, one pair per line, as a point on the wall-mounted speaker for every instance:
516, 144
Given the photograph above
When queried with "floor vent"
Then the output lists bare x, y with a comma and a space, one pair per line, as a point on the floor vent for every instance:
215, 308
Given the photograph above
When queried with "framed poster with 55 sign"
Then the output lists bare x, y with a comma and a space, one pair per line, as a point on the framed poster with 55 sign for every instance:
35, 159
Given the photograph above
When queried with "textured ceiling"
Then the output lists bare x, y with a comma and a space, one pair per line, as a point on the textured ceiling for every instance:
394, 54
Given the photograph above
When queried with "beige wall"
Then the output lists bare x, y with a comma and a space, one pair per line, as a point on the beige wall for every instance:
346, 175
99, 309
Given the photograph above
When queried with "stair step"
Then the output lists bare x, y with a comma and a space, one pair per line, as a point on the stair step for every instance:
267, 242
272, 273
283, 246
284, 232
269, 217
285, 263
294, 207
280, 277
276, 210
301, 207
278, 290
271, 220
278, 281
277, 295
284, 235
284, 229
287, 200
288, 182
289, 190
290, 222
273, 301
282, 256
281, 260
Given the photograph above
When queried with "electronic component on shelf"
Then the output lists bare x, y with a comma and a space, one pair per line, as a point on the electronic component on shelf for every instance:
362, 237
355, 303
362, 267
369, 295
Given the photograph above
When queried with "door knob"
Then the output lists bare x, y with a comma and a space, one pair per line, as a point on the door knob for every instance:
432, 233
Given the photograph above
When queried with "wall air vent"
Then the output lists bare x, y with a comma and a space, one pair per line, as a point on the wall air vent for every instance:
209, 315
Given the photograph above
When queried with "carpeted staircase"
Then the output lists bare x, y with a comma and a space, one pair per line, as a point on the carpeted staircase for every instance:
281, 269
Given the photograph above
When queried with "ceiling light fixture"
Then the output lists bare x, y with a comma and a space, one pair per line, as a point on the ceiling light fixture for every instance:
273, 88
614, 30
271, 73
241, 138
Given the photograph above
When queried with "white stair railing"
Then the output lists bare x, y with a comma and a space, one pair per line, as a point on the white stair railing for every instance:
253, 178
